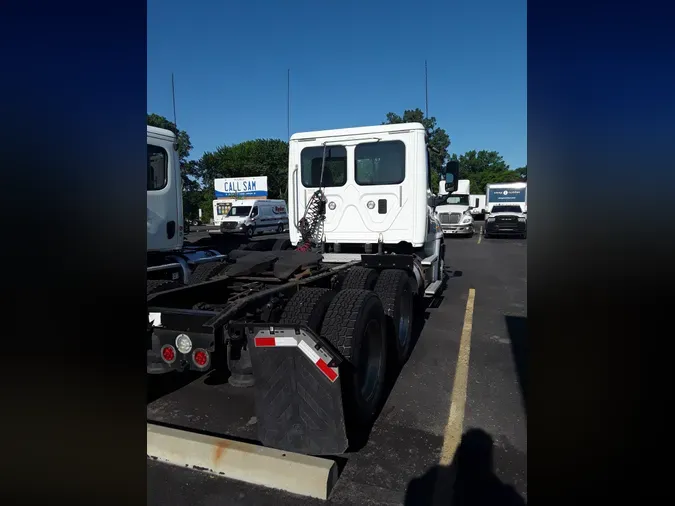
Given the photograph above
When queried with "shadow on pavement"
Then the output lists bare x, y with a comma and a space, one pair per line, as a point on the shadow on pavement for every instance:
359, 438
159, 385
517, 328
470, 479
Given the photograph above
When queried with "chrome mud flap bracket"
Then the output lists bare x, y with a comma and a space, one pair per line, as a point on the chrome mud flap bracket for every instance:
298, 394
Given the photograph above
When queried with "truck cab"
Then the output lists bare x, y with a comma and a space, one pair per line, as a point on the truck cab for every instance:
506, 220
363, 189
375, 181
168, 259
164, 192
454, 213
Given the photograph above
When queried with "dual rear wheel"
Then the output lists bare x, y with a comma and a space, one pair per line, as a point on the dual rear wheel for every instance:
369, 321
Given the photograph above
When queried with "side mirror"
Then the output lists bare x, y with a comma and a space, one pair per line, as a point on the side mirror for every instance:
451, 173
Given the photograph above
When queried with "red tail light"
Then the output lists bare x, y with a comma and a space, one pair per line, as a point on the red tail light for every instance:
201, 358
168, 354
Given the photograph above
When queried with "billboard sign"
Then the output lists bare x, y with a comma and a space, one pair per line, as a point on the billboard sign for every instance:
241, 187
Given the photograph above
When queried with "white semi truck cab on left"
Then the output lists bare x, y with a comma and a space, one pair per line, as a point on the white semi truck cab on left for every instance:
169, 260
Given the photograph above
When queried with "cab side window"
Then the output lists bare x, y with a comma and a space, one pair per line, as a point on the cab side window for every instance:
254, 212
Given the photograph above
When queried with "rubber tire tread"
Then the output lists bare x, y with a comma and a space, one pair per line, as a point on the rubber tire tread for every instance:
281, 245
308, 307
160, 285
390, 287
204, 272
360, 278
341, 325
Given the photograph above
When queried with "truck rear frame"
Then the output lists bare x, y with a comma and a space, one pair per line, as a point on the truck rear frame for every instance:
314, 340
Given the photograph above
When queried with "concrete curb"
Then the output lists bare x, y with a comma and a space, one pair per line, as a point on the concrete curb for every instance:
268, 467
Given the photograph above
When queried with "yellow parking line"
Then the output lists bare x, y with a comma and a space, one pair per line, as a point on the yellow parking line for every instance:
454, 427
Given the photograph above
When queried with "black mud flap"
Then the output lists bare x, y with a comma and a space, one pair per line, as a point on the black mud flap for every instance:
298, 395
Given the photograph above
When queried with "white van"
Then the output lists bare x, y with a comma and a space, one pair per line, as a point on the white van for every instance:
253, 217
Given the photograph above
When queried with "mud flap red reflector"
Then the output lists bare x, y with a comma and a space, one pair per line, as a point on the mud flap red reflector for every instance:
329, 372
307, 349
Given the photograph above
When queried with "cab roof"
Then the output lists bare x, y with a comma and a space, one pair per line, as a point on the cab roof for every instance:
366, 130
162, 133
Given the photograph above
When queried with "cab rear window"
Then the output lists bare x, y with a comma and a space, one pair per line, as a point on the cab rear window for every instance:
335, 168
379, 163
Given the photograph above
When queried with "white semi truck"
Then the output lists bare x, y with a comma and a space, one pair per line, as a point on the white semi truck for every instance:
313, 328
455, 212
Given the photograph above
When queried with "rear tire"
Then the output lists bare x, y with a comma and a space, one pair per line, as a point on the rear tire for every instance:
355, 325
360, 278
308, 307
393, 288
204, 272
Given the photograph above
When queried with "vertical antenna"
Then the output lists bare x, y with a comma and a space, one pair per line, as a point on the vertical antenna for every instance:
288, 105
173, 97
426, 92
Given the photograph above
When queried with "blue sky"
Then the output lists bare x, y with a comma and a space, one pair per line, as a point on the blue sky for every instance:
351, 62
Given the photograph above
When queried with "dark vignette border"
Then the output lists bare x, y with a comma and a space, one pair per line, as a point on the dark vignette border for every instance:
73, 91
601, 106
601, 103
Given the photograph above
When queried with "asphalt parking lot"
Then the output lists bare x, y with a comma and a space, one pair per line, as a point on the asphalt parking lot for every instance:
453, 429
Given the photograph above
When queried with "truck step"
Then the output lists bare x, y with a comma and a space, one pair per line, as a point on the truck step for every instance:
429, 260
433, 288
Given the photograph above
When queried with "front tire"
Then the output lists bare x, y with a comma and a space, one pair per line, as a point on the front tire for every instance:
250, 232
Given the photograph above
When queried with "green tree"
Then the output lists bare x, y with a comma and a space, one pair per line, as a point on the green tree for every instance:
483, 168
260, 157
522, 172
437, 138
